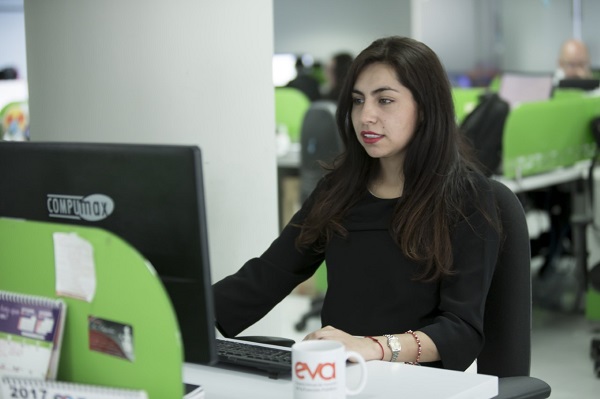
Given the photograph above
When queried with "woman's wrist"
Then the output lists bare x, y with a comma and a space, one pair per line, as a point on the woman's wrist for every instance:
378, 352
419, 347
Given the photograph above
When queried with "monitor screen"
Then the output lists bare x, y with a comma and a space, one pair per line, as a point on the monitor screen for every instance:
284, 68
583, 84
516, 88
152, 196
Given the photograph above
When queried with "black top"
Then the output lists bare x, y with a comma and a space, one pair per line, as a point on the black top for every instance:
371, 286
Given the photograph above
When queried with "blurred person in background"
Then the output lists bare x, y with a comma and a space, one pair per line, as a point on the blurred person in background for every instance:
336, 71
573, 61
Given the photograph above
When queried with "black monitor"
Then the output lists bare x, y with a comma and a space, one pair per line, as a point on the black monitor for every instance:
583, 84
152, 196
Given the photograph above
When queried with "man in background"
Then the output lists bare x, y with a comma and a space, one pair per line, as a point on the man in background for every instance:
573, 61
305, 81
552, 286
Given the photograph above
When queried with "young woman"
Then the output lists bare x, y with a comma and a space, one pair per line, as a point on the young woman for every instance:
407, 225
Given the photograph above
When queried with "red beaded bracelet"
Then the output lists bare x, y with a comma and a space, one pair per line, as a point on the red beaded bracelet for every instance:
419, 349
378, 343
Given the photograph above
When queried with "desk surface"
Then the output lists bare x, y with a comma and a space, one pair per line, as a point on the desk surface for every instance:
547, 179
384, 380
290, 158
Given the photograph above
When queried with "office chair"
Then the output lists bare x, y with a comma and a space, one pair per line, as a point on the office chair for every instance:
507, 323
319, 141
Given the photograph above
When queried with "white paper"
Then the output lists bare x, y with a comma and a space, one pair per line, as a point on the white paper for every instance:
74, 264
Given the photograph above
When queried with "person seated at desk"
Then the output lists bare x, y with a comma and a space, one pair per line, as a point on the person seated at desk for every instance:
336, 72
406, 223
573, 61
553, 246
305, 81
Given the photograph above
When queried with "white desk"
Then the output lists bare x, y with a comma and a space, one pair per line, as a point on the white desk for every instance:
291, 158
551, 178
385, 380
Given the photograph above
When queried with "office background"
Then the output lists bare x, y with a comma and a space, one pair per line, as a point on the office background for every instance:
199, 72
518, 35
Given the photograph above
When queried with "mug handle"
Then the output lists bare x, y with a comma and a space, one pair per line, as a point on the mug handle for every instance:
363, 374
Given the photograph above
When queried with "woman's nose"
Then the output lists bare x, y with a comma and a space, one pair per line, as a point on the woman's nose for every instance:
368, 115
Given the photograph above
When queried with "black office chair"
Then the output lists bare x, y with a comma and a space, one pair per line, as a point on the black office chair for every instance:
507, 324
319, 141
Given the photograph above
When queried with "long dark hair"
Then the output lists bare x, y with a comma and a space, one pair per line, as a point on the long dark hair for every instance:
437, 173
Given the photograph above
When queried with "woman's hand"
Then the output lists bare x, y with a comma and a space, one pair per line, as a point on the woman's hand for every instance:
364, 346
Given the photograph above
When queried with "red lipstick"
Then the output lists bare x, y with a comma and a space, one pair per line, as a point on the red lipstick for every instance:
369, 137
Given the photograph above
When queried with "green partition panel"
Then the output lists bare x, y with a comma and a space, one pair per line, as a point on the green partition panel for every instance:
495, 83
290, 106
561, 94
592, 104
592, 307
544, 135
128, 291
321, 278
465, 100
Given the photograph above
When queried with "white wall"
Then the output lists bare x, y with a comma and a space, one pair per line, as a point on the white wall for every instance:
451, 38
324, 27
179, 71
591, 29
533, 31
518, 35
12, 36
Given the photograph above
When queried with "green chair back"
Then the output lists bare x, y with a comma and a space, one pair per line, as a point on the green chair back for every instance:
290, 106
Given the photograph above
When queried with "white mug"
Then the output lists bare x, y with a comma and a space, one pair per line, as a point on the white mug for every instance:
319, 370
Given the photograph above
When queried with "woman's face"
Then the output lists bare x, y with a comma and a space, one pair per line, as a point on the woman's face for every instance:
384, 113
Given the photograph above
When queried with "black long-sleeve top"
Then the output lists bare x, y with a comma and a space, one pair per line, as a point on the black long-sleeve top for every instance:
371, 286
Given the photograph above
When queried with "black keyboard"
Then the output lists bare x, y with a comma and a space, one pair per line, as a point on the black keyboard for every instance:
274, 361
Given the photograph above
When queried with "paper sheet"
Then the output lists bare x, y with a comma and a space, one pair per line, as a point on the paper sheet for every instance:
75, 268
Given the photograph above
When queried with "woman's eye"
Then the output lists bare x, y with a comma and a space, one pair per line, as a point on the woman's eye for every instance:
385, 101
357, 101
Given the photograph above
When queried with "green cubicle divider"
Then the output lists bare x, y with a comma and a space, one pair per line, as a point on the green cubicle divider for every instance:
465, 100
545, 135
562, 94
290, 106
592, 306
128, 291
